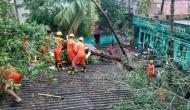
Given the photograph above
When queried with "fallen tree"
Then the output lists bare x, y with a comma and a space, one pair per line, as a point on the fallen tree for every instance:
100, 53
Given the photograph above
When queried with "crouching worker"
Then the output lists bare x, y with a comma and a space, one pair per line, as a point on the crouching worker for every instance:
10, 78
110, 48
80, 56
88, 53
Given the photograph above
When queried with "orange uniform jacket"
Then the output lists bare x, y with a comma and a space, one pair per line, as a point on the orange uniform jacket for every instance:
70, 49
14, 75
150, 70
57, 49
80, 56
24, 44
57, 52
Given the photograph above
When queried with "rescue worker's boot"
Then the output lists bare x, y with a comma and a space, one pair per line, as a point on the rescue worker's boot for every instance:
61, 66
69, 70
72, 70
56, 64
84, 69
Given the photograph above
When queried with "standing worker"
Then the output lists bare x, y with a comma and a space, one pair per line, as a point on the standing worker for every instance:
150, 70
80, 56
58, 48
71, 48
149, 51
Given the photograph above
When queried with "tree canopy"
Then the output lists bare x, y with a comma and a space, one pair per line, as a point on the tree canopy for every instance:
115, 10
75, 16
12, 50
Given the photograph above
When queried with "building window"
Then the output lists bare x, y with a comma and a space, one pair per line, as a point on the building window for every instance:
142, 37
147, 40
182, 51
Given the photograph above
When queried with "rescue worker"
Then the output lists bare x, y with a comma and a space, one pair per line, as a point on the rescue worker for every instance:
150, 70
80, 56
149, 52
57, 49
24, 44
43, 48
71, 48
110, 48
10, 74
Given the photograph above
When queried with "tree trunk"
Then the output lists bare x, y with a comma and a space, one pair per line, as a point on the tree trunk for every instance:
171, 42
110, 26
162, 6
172, 26
16, 10
129, 6
103, 55
96, 52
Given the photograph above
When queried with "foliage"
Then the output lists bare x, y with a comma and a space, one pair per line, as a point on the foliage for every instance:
66, 15
12, 85
77, 13
91, 59
142, 7
12, 51
43, 11
165, 91
115, 9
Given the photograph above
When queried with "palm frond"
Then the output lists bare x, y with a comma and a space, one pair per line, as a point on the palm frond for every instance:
75, 13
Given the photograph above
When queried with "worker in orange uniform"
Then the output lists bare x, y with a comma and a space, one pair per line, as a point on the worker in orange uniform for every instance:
150, 70
80, 56
43, 48
110, 48
58, 48
24, 44
71, 48
10, 74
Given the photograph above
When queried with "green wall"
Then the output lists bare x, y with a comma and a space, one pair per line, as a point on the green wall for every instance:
156, 33
105, 39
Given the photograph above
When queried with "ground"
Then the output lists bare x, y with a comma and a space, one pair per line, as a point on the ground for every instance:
98, 89
82, 91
